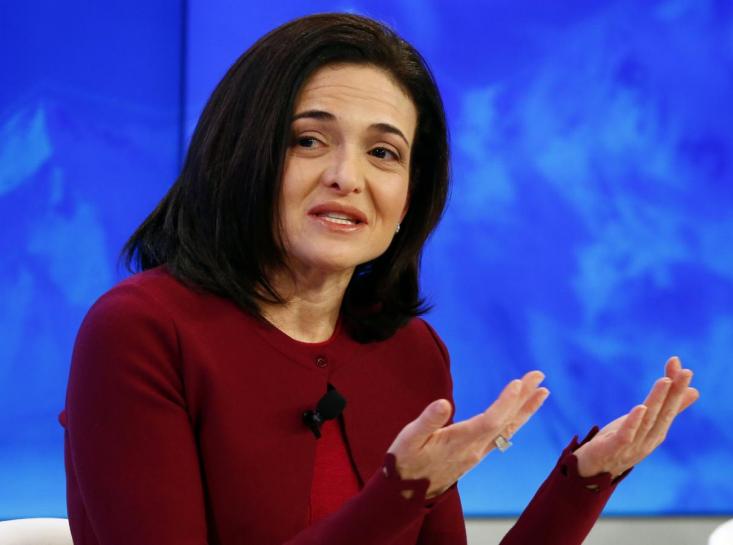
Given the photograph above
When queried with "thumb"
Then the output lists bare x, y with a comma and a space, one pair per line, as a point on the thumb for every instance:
434, 417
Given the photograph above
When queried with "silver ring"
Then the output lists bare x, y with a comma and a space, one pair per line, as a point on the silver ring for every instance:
502, 443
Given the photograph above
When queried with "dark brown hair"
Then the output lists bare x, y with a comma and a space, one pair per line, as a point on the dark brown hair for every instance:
214, 228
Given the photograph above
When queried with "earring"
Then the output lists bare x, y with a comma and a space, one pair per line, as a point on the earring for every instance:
398, 228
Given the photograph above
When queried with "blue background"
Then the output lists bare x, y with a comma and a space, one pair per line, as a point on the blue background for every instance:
588, 232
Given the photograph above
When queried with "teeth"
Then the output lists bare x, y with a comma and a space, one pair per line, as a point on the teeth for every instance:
337, 218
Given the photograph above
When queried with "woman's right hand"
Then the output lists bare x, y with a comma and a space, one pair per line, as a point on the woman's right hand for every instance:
424, 449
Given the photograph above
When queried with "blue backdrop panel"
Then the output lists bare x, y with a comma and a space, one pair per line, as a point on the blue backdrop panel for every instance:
587, 234
88, 143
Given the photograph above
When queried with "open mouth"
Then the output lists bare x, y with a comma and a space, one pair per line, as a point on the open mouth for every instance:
340, 219
338, 214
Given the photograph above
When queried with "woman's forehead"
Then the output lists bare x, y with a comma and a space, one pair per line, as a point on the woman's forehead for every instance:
363, 91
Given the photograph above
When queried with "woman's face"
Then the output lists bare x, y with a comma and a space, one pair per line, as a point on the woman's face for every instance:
346, 175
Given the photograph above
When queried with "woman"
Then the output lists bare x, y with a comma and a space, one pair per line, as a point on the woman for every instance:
280, 275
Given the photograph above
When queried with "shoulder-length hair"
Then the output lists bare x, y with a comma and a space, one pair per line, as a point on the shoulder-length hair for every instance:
214, 228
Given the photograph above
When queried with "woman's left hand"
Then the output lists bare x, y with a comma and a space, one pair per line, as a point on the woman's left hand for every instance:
632, 437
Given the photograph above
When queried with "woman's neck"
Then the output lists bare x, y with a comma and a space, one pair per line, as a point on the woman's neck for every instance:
313, 301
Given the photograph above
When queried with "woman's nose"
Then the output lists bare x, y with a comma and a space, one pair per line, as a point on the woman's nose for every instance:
344, 174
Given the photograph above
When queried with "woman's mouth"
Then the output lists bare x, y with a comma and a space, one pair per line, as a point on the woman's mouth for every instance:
341, 219
338, 223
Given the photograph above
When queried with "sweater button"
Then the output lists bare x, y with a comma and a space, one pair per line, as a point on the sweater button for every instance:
321, 362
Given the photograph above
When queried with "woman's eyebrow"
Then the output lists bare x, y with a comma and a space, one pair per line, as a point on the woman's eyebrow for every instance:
322, 115
315, 114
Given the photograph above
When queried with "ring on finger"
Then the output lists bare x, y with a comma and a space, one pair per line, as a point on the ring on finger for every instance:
502, 443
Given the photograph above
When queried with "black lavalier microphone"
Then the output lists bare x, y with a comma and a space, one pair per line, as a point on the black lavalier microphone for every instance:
329, 407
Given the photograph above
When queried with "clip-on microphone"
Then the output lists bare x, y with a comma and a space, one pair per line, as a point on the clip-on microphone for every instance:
330, 406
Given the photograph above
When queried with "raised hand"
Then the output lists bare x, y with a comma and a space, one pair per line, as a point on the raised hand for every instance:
426, 449
632, 437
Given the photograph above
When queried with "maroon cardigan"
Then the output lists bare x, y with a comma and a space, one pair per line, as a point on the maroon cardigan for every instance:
183, 427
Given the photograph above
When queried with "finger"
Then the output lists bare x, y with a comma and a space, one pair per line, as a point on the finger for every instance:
484, 427
654, 403
530, 407
530, 382
530, 400
630, 426
690, 396
433, 417
671, 408
490, 422
672, 367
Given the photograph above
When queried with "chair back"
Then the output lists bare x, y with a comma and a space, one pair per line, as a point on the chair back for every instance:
35, 531
722, 535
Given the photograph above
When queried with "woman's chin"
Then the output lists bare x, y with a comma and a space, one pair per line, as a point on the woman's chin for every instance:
325, 265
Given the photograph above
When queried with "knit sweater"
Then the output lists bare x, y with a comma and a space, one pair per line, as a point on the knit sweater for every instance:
183, 426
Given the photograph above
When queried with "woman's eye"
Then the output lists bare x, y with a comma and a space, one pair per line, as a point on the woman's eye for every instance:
384, 153
306, 141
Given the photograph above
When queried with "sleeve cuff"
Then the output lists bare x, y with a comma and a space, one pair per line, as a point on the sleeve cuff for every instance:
419, 487
568, 467
566, 506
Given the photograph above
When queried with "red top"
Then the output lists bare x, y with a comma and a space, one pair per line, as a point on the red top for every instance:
334, 480
184, 427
